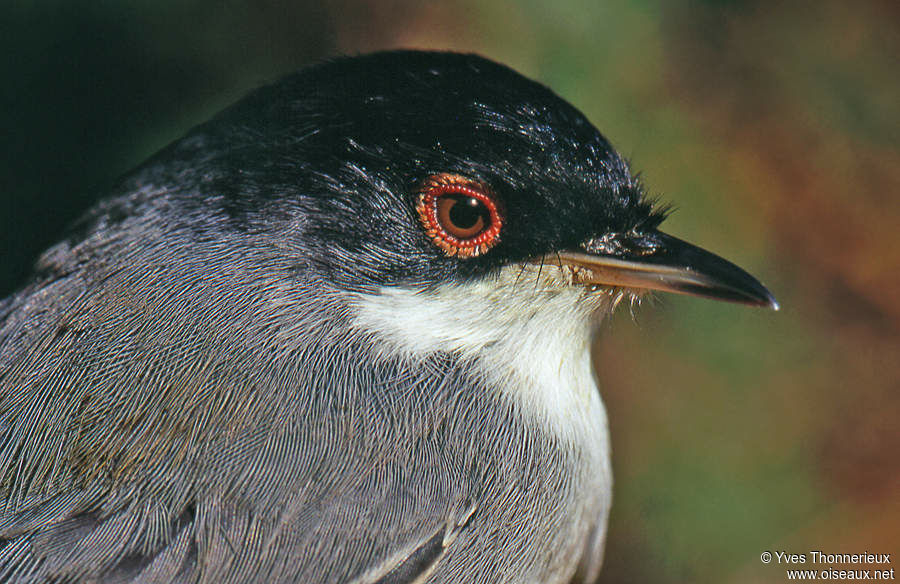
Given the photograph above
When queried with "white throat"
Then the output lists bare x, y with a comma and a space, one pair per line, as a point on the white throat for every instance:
529, 332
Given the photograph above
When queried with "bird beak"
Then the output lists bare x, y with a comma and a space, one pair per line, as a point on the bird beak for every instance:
656, 261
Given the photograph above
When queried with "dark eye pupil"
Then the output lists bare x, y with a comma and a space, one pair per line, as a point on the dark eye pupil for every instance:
467, 211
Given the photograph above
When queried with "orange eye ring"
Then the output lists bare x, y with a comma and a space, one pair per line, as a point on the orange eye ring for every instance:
460, 216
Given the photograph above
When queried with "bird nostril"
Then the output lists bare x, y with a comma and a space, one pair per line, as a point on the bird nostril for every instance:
619, 243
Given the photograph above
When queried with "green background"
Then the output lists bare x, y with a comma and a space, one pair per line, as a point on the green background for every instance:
773, 128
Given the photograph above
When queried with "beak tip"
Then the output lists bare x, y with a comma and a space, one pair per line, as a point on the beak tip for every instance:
758, 295
762, 298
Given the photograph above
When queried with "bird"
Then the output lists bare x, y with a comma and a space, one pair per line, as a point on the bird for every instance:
340, 332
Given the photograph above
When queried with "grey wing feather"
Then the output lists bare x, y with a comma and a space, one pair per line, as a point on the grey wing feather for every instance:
415, 565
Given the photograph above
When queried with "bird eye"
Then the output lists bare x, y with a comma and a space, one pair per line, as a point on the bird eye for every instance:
459, 215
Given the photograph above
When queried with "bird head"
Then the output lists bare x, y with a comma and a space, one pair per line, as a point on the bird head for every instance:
442, 176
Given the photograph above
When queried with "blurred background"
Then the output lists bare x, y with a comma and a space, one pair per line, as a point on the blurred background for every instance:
774, 129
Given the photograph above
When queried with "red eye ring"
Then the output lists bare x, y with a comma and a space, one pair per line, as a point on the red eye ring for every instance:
437, 199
